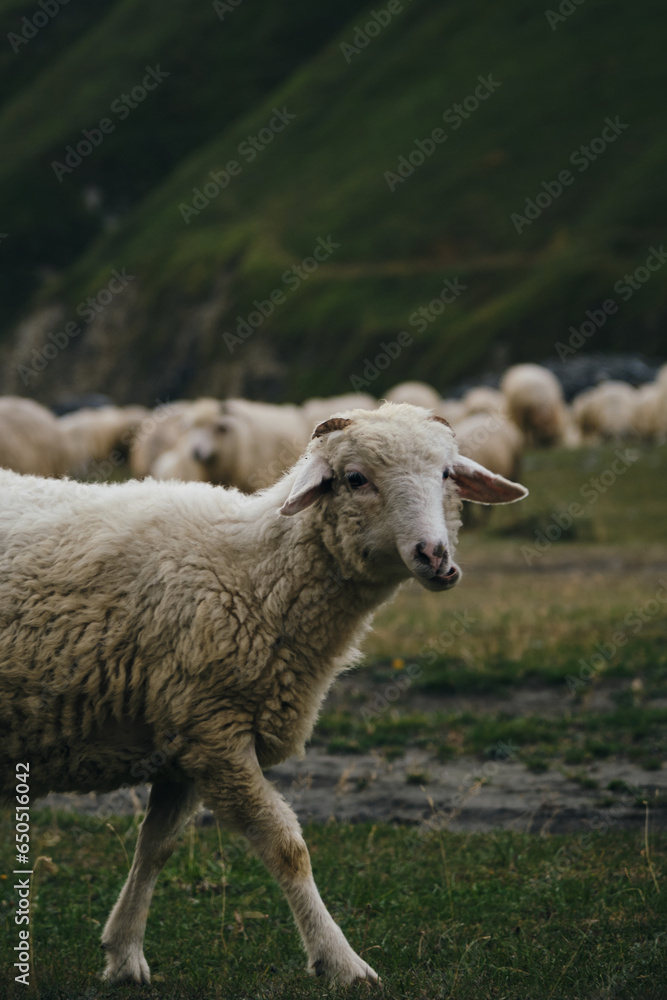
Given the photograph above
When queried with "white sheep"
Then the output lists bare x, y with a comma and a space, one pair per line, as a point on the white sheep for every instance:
484, 399
144, 613
317, 409
493, 441
415, 393
161, 429
95, 434
452, 410
649, 413
239, 443
606, 411
535, 403
31, 440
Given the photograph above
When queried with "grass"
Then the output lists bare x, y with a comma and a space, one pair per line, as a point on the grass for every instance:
437, 914
637, 734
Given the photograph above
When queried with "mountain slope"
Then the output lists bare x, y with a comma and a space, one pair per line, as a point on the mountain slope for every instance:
460, 216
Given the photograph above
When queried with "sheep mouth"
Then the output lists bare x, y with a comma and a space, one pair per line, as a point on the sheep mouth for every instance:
441, 581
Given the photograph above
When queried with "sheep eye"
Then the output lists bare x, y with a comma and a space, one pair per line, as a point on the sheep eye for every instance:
445, 474
355, 479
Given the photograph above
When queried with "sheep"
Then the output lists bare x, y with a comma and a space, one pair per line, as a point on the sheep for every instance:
416, 393
31, 440
483, 399
452, 410
493, 441
163, 428
535, 403
143, 614
317, 409
94, 434
649, 414
605, 411
242, 443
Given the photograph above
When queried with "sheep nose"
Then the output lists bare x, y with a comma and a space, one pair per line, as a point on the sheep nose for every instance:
432, 552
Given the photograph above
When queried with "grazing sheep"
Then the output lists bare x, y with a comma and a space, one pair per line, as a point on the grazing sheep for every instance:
242, 443
94, 434
31, 440
142, 614
483, 399
415, 393
317, 409
535, 403
606, 411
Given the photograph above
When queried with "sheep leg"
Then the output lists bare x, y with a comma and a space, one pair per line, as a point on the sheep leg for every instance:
247, 802
169, 806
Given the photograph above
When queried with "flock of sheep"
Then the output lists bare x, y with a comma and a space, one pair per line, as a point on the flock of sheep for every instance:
249, 445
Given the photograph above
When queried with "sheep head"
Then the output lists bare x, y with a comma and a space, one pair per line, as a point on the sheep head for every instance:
388, 484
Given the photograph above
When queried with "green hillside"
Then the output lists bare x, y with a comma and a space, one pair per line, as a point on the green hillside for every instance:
545, 99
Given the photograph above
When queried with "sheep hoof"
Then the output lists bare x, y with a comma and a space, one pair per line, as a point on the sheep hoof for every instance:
131, 967
344, 970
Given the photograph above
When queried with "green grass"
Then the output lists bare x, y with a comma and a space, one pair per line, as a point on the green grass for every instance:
437, 914
637, 734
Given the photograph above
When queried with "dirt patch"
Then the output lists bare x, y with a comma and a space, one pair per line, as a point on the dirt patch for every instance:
466, 794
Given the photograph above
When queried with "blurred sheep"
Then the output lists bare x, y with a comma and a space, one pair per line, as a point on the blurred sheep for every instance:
161, 429
649, 416
415, 393
535, 403
606, 411
493, 441
238, 443
484, 399
31, 440
318, 409
95, 434
452, 410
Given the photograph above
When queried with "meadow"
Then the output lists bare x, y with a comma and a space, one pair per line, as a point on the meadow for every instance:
570, 619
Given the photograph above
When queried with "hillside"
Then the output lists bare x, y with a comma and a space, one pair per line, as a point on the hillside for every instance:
584, 98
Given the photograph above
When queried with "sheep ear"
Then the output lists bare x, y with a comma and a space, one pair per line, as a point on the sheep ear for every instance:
313, 480
477, 484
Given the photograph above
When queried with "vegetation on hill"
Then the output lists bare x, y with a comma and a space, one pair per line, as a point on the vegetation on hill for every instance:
482, 177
